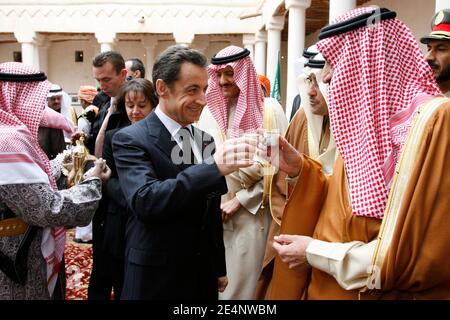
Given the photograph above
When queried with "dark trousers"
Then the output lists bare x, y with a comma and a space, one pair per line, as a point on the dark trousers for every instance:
107, 270
107, 276
60, 288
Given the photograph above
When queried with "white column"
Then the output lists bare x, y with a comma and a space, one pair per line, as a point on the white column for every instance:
273, 27
106, 39
28, 49
30, 52
37, 59
149, 42
442, 4
296, 44
183, 37
260, 52
44, 57
339, 7
248, 40
106, 46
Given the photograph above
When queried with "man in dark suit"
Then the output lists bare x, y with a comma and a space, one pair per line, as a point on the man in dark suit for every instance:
172, 184
109, 70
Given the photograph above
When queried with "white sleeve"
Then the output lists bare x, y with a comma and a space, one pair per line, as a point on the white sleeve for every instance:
84, 126
349, 263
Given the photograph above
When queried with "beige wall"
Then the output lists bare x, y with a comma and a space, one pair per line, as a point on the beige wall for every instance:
62, 68
7, 49
131, 49
215, 47
416, 14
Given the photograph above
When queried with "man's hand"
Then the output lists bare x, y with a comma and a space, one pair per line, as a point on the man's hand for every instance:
290, 159
285, 157
101, 170
234, 154
229, 208
222, 283
292, 250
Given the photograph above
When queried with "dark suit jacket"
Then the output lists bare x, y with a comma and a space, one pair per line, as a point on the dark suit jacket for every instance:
174, 237
116, 208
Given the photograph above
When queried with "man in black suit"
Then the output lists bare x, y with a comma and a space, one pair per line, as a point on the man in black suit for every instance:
109, 71
174, 237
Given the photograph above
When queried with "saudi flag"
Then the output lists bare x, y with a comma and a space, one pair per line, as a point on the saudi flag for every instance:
276, 90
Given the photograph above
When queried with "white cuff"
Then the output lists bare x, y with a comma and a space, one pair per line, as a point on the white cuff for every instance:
292, 180
349, 263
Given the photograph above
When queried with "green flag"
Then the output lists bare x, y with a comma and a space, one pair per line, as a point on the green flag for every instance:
276, 90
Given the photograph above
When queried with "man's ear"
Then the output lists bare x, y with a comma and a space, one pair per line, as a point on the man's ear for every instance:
123, 73
161, 88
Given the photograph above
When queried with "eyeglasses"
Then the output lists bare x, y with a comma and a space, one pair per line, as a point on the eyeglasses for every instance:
311, 81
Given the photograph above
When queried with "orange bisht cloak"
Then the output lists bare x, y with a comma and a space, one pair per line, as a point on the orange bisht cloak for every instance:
300, 217
417, 262
297, 135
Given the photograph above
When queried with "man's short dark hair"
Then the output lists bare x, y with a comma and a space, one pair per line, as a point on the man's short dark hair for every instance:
112, 57
168, 64
137, 64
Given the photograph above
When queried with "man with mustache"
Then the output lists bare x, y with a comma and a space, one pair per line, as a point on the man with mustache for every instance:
308, 132
438, 44
236, 105
377, 228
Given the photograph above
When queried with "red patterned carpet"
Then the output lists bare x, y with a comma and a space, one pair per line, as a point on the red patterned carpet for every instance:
78, 260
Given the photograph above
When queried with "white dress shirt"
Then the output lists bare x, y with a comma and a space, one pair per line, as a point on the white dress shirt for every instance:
174, 127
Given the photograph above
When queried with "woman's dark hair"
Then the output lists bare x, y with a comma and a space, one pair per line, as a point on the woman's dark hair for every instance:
136, 85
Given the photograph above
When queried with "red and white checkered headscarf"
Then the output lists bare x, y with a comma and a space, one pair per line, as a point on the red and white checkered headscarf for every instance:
21, 110
54, 119
249, 110
380, 77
